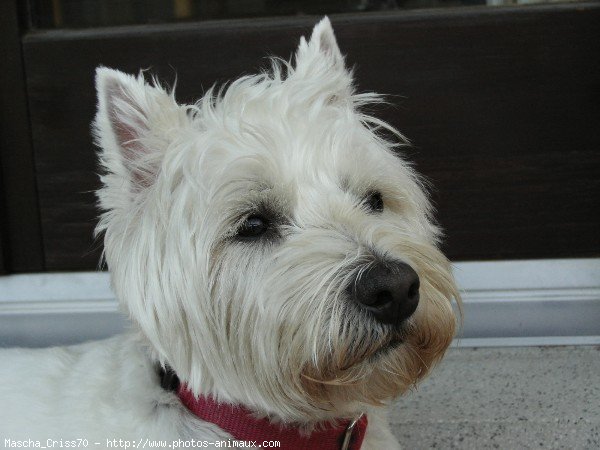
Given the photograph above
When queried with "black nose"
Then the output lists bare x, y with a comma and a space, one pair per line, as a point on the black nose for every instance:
389, 292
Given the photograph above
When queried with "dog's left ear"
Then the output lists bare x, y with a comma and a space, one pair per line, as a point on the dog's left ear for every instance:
322, 44
321, 60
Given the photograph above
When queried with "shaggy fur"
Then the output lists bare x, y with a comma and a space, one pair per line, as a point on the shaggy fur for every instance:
260, 322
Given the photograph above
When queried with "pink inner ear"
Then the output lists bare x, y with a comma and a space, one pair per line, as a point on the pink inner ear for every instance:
126, 139
134, 154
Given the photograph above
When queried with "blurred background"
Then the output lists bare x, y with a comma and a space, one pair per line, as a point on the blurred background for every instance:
501, 100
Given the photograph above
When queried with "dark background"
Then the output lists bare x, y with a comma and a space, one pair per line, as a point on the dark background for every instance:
502, 106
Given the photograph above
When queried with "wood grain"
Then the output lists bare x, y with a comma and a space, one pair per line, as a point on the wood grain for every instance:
20, 227
502, 106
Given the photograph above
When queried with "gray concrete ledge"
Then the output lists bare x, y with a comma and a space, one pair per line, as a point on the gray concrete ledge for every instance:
534, 302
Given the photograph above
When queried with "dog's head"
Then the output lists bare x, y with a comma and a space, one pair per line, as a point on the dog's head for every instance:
267, 240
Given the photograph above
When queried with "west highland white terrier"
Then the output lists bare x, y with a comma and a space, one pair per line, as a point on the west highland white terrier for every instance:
278, 261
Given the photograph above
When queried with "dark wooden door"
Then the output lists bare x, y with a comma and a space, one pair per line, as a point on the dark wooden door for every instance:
502, 106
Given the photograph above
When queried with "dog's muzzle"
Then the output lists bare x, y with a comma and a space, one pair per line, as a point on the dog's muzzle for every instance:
388, 291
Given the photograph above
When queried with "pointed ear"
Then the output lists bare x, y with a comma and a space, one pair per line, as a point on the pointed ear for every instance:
322, 46
321, 58
323, 40
134, 124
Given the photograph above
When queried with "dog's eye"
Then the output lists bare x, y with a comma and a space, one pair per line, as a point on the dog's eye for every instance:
253, 226
374, 201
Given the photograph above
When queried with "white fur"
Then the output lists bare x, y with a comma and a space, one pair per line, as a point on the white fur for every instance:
105, 390
265, 324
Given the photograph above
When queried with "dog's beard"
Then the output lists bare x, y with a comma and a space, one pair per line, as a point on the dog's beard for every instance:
370, 363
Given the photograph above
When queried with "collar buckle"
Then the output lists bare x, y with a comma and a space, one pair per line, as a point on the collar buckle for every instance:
348, 433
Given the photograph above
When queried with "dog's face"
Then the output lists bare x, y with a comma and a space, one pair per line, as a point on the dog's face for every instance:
270, 246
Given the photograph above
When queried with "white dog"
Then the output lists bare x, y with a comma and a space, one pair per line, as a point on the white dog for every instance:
277, 258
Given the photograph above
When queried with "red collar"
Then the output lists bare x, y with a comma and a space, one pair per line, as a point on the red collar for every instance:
239, 422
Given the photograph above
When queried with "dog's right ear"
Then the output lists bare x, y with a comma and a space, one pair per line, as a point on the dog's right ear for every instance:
134, 125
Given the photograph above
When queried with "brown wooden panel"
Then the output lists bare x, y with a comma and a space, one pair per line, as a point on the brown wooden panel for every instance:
18, 207
3, 268
502, 106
